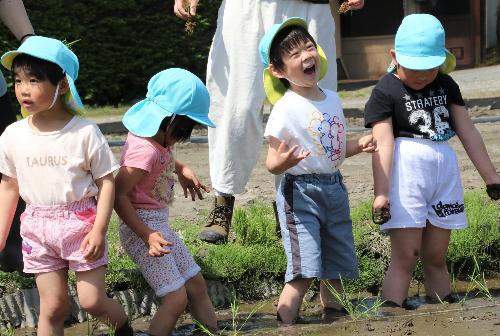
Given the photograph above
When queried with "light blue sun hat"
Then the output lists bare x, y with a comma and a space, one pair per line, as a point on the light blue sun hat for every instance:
54, 51
420, 45
170, 92
273, 87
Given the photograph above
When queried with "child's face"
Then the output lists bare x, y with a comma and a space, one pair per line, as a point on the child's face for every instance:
301, 66
416, 79
32, 93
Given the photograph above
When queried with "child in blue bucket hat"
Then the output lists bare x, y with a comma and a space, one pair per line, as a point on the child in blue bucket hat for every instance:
175, 102
62, 167
306, 132
414, 110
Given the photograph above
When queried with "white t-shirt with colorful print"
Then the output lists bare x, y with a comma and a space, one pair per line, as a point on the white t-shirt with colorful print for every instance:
155, 189
316, 126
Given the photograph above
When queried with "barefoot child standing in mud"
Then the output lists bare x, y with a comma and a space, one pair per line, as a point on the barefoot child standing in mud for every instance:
307, 141
62, 167
176, 101
414, 110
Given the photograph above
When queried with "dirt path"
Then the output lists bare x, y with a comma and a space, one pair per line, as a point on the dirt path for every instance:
356, 171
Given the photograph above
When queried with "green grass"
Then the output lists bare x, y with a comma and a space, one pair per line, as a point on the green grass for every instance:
105, 111
255, 252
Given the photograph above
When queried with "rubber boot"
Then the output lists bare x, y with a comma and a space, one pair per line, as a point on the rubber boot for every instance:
219, 220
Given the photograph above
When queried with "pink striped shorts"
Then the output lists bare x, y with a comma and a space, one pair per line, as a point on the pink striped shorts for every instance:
52, 236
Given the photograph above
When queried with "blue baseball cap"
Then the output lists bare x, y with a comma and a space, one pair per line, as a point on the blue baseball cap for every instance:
420, 44
170, 92
273, 87
54, 51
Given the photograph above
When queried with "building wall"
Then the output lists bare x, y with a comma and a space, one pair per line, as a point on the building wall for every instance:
491, 22
367, 57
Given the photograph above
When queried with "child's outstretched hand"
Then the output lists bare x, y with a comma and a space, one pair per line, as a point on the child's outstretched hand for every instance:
287, 158
156, 244
367, 144
189, 182
93, 245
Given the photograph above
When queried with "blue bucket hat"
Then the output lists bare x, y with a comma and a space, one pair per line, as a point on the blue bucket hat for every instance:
420, 44
274, 88
54, 51
170, 92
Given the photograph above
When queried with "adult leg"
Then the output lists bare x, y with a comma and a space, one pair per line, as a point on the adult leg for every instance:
94, 300
434, 250
291, 299
405, 251
172, 305
54, 302
200, 306
234, 81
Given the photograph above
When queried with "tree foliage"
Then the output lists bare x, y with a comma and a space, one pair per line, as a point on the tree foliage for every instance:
122, 43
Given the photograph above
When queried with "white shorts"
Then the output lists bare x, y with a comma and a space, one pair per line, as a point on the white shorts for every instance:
425, 186
164, 274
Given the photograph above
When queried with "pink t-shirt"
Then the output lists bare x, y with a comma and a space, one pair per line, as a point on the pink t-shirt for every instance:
155, 189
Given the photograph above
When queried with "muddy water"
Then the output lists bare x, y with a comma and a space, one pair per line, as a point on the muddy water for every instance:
474, 315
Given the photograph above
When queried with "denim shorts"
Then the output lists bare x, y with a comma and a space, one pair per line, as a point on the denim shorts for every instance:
316, 227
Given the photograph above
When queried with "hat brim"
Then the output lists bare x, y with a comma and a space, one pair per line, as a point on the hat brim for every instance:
448, 65
420, 63
143, 124
8, 58
275, 89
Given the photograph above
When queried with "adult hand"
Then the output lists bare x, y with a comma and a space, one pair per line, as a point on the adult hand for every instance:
181, 10
356, 4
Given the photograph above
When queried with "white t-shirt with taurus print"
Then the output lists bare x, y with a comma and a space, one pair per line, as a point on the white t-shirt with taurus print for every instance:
55, 168
316, 126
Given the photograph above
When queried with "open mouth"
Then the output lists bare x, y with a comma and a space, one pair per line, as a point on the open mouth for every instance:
310, 70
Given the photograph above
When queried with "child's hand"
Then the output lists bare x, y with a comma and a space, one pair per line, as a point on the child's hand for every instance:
367, 144
156, 244
189, 181
381, 210
288, 159
93, 245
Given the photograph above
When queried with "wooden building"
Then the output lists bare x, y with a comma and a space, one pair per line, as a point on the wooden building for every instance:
367, 35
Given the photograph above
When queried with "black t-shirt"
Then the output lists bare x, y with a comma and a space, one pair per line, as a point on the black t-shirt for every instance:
421, 113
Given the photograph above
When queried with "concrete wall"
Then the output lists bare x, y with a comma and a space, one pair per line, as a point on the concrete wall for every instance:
491, 22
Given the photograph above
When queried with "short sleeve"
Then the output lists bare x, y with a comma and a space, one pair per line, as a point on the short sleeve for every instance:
7, 167
102, 159
455, 96
276, 125
139, 155
379, 106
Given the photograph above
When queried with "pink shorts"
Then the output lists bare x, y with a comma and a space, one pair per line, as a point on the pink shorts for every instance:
52, 236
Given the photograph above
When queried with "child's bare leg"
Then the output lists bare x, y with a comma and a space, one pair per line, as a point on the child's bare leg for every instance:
171, 307
405, 250
54, 302
291, 299
93, 298
326, 297
434, 249
200, 306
